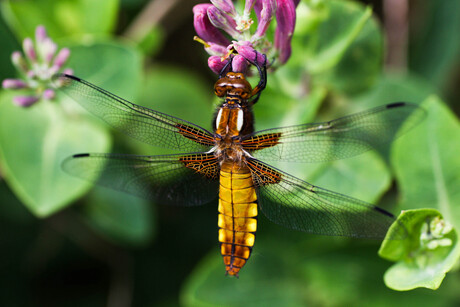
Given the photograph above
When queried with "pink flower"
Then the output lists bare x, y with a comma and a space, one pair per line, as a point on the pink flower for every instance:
36, 68
224, 31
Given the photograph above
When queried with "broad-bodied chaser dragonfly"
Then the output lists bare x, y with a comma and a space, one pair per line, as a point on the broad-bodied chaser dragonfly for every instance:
229, 160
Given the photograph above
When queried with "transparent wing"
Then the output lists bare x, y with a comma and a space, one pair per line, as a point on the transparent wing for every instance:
149, 126
187, 180
296, 204
341, 138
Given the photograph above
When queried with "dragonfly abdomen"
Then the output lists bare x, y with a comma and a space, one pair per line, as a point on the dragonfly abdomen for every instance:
237, 215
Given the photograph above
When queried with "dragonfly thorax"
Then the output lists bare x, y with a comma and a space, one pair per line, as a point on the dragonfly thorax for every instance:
229, 123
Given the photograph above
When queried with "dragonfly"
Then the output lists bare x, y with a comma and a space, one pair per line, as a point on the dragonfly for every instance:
229, 163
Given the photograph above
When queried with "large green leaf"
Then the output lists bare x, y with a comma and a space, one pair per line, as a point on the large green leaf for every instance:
427, 163
339, 44
365, 177
119, 217
33, 143
268, 279
324, 44
361, 64
113, 66
61, 18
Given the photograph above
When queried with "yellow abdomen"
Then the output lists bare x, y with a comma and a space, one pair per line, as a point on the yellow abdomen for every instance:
237, 215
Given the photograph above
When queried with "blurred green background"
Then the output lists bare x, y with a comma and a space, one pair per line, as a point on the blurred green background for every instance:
65, 243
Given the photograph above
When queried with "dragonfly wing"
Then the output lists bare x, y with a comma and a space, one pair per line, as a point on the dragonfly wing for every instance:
187, 180
341, 138
296, 204
149, 126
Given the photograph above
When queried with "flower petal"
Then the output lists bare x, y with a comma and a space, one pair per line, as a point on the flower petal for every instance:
13, 84
246, 50
239, 64
264, 16
40, 34
285, 17
49, 94
225, 6
25, 101
222, 21
204, 28
29, 49
62, 57
216, 64
19, 62
248, 6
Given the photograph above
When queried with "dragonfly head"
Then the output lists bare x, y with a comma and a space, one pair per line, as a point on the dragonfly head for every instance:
234, 85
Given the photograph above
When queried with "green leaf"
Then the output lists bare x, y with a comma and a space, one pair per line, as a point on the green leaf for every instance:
427, 163
113, 66
324, 43
152, 41
61, 18
360, 65
365, 177
119, 217
429, 250
435, 44
267, 280
33, 143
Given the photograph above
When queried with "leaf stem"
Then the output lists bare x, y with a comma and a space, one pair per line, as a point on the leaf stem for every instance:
396, 26
148, 18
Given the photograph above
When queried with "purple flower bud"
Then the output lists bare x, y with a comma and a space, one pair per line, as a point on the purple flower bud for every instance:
239, 64
25, 101
285, 16
62, 57
246, 50
29, 49
40, 34
221, 21
216, 64
47, 50
225, 6
19, 62
204, 28
13, 84
49, 94
264, 16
